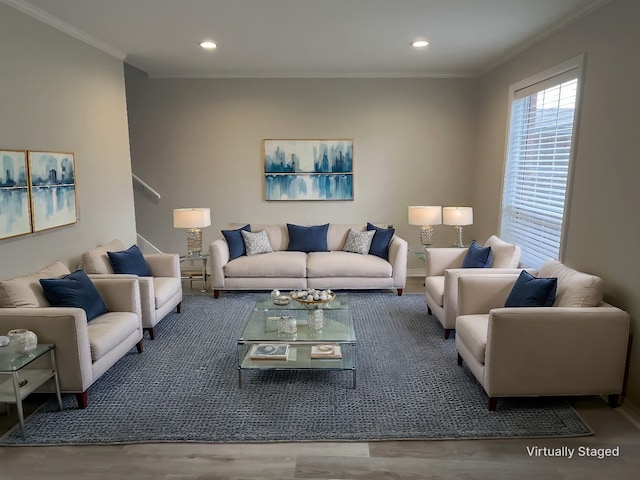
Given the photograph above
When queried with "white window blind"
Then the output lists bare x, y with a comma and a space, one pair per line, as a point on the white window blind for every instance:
537, 166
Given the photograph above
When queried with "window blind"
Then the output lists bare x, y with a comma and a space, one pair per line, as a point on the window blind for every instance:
537, 167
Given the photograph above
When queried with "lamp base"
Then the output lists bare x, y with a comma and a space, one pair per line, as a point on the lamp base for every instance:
194, 241
459, 243
426, 235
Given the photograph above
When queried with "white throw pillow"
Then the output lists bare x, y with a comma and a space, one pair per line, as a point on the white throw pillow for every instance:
256, 242
358, 242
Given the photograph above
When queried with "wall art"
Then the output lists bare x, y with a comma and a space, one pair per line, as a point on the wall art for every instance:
53, 189
308, 169
15, 208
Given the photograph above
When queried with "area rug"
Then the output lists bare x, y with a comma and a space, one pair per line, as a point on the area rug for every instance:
184, 388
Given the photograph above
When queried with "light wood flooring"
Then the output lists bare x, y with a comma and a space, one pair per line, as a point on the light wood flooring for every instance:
402, 460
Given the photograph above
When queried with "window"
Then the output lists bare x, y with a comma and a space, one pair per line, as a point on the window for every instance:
538, 160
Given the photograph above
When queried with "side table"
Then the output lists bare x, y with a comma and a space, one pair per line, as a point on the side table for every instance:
203, 257
13, 364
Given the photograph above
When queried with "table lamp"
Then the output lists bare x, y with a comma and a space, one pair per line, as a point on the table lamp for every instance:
457, 217
426, 217
193, 219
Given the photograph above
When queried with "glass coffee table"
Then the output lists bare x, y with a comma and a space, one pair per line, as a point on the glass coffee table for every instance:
298, 336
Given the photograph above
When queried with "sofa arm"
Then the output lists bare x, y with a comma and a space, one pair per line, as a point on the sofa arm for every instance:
479, 293
439, 259
398, 249
556, 350
218, 257
164, 264
67, 328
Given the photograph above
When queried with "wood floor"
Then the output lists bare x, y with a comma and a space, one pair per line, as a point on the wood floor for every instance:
402, 460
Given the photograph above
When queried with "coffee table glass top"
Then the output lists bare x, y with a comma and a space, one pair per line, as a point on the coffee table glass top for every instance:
341, 302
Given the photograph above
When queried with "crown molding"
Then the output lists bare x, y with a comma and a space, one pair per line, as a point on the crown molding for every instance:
44, 17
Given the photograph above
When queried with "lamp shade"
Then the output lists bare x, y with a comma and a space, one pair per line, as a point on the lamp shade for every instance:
457, 215
425, 215
191, 217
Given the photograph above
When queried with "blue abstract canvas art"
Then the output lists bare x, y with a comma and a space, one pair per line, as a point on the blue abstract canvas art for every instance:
53, 189
15, 209
308, 169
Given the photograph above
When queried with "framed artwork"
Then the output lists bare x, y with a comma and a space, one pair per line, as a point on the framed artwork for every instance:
53, 189
308, 169
15, 208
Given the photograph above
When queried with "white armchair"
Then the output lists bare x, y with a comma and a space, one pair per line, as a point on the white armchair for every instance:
159, 294
576, 347
443, 269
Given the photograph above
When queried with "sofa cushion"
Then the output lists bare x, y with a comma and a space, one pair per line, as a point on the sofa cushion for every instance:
275, 264
358, 242
164, 289
110, 330
26, 291
435, 288
307, 239
235, 241
477, 256
505, 255
130, 262
575, 289
256, 243
96, 260
381, 241
472, 330
531, 291
74, 290
345, 264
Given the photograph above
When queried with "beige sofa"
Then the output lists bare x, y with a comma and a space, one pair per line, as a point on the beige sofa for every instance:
443, 269
578, 346
287, 270
84, 351
159, 294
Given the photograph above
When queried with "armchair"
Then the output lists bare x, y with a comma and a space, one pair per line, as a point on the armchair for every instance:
578, 346
158, 294
443, 269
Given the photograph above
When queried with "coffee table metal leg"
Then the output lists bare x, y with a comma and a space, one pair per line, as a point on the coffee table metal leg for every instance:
55, 377
354, 377
16, 389
239, 377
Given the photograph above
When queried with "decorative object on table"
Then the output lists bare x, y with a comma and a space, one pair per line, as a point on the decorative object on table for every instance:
193, 219
275, 293
458, 217
4, 340
281, 300
315, 319
308, 169
14, 194
23, 340
287, 324
53, 189
269, 351
426, 217
311, 296
326, 351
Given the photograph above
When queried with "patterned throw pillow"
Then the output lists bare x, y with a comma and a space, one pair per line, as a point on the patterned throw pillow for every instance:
257, 242
358, 242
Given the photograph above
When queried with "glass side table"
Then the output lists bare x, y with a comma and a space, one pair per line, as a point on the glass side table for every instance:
23, 381
189, 274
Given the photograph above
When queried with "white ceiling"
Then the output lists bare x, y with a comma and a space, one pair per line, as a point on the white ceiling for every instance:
309, 38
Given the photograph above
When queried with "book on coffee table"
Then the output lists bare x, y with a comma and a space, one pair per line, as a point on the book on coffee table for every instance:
326, 351
269, 351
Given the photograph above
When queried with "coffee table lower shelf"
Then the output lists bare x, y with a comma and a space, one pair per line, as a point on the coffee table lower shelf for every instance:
298, 358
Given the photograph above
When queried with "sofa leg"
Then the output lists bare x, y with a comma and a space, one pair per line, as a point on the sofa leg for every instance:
179, 307
83, 399
139, 346
216, 293
152, 332
614, 400
492, 404
447, 332
400, 292
459, 360
429, 312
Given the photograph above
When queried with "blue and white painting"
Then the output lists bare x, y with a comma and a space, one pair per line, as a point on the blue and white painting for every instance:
53, 189
15, 213
308, 169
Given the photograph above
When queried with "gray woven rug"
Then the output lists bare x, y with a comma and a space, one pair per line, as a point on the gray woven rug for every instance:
184, 388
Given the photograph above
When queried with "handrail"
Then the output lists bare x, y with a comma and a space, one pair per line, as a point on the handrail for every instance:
144, 243
146, 186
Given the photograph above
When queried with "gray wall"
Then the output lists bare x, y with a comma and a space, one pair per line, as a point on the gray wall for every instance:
59, 94
602, 215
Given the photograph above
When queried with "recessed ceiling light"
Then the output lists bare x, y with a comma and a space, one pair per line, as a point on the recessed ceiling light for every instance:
420, 43
208, 45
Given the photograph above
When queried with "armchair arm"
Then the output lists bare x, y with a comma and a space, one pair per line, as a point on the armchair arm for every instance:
219, 257
164, 264
439, 259
119, 294
398, 249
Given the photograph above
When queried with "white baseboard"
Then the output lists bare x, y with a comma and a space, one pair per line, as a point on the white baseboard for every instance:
631, 412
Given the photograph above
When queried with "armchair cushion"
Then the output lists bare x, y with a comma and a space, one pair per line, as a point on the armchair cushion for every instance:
477, 256
130, 262
235, 241
505, 255
26, 291
380, 241
308, 239
531, 291
74, 290
97, 261
575, 289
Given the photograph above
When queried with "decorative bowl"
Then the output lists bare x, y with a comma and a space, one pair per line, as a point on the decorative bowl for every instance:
315, 302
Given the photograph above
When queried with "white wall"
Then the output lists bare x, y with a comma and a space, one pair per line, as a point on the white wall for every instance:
59, 94
602, 216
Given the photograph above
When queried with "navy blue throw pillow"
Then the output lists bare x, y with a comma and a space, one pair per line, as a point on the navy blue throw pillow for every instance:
477, 256
308, 239
530, 291
235, 241
74, 290
381, 241
129, 261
